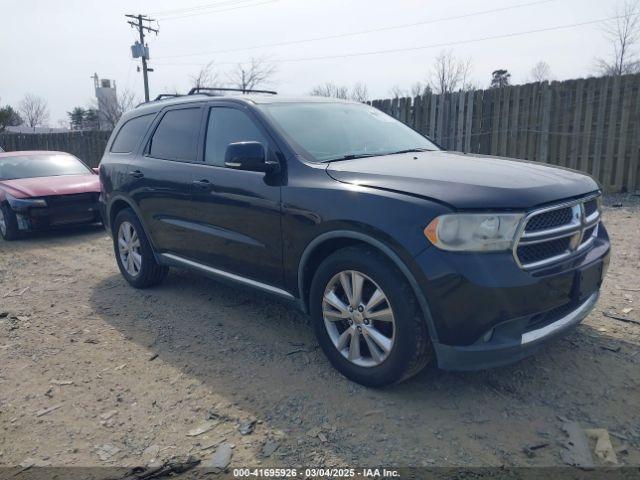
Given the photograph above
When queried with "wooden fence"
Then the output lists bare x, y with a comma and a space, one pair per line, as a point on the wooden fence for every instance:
591, 124
88, 146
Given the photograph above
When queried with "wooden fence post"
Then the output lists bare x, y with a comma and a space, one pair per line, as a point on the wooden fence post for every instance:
545, 114
633, 171
627, 102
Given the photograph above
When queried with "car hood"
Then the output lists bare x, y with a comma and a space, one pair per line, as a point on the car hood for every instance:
466, 181
49, 186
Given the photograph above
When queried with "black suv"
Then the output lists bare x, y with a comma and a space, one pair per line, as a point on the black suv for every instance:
402, 253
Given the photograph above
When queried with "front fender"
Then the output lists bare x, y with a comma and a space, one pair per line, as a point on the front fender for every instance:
404, 265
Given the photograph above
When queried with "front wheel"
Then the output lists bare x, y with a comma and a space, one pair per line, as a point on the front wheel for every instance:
134, 253
8, 223
366, 318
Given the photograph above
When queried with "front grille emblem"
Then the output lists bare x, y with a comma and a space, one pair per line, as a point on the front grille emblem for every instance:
578, 216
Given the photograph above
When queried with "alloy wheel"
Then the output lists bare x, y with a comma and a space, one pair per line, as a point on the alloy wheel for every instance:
129, 249
358, 318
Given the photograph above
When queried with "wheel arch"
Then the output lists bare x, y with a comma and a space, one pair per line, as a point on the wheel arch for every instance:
329, 242
119, 203
116, 206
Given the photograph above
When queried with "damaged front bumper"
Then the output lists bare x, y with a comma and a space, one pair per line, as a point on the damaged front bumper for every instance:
40, 214
502, 348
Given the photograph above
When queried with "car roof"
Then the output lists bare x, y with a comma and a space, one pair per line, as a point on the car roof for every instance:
25, 153
254, 99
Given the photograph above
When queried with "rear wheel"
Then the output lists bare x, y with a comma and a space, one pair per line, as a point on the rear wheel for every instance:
367, 319
133, 251
8, 223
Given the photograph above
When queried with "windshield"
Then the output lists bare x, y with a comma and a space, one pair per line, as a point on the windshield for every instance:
339, 131
41, 165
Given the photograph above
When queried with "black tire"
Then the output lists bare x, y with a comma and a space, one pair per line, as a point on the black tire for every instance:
11, 231
150, 273
411, 350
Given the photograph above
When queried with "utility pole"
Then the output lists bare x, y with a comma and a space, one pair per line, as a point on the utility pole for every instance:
144, 51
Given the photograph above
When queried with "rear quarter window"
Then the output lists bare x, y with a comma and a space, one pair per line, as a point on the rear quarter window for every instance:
131, 133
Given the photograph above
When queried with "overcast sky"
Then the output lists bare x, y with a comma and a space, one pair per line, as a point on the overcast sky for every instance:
51, 48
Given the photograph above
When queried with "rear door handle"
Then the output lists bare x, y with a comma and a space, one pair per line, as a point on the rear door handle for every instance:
136, 174
203, 184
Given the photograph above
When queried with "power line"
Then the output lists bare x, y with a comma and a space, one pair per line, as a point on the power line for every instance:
363, 32
174, 17
421, 47
206, 6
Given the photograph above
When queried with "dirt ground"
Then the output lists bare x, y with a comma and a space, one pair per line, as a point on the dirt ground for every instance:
94, 372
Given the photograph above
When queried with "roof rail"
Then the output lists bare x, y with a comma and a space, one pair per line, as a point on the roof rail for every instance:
166, 95
196, 90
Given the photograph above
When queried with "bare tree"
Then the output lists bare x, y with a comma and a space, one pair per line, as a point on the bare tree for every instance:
34, 110
450, 73
359, 92
330, 90
397, 92
418, 89
206, 77
110, 111
258, 73
540, 72
623, 32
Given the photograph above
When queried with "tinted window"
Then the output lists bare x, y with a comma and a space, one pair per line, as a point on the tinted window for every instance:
41, 165
228, 125
330, 131
176, 135
130, 134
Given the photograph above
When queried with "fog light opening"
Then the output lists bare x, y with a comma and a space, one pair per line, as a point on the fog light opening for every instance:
488, 336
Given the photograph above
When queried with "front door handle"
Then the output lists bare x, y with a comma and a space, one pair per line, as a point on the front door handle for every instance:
136, 174
203, 184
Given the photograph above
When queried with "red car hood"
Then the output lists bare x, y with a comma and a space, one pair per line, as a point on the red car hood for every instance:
47, 186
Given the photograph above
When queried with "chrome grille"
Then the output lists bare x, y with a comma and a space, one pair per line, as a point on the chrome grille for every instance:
551, 219
589, 233
539, 251
590, 207
555, 233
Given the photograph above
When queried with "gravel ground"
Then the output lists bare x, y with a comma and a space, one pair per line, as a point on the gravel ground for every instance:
93, 372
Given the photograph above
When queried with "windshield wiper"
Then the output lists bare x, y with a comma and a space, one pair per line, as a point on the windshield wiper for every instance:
409, 150
351, 156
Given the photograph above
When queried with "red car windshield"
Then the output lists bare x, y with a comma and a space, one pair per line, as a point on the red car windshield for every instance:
40, 165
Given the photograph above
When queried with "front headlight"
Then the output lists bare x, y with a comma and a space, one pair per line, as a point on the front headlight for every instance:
24, 203
473, 232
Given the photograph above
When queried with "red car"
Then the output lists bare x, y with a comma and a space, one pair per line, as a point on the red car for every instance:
42, 189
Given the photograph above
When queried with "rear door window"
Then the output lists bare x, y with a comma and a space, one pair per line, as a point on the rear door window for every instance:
225, 126
177, 135
131, 133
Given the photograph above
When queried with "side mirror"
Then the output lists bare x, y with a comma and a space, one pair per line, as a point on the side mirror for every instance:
96, 170
248, 156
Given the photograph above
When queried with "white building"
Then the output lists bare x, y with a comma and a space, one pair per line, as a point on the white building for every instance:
107, 98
